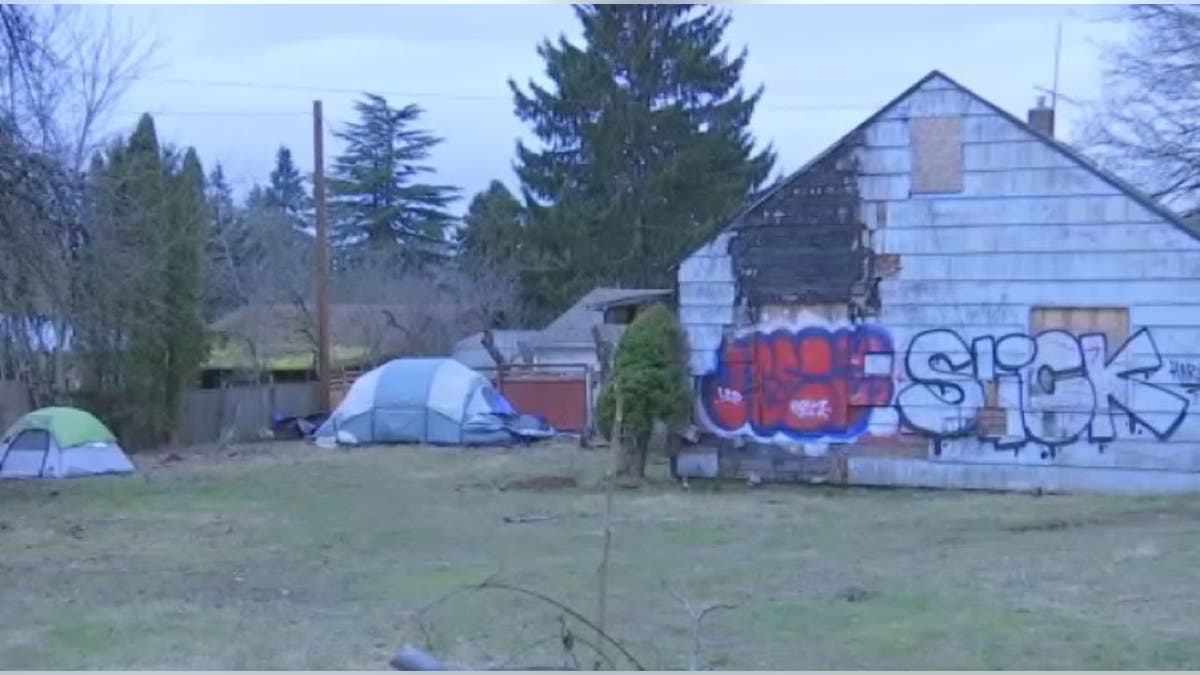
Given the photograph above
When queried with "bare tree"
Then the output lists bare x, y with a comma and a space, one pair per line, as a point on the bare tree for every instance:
88, 62
1148, 122
60, 73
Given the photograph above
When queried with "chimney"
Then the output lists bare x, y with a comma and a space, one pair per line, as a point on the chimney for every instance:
1042, 118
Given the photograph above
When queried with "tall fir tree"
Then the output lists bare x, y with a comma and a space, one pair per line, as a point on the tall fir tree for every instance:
142, 339
493, 229
286, 190
230, 247
375, 186
183, 325
645, 148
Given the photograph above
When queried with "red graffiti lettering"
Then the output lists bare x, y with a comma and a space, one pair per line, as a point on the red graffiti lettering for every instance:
806, 384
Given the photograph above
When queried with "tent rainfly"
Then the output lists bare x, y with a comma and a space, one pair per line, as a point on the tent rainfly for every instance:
420, 400
60, 442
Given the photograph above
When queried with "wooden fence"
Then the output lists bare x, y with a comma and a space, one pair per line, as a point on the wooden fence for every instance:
242, 412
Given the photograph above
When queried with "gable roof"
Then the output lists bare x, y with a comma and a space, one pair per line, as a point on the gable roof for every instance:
574, 326
1071, 153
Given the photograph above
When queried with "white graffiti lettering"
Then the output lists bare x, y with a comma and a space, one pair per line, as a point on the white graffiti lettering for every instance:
1053, 388
809, 408
727, 395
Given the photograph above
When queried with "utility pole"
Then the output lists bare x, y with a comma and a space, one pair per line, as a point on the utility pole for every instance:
322, 257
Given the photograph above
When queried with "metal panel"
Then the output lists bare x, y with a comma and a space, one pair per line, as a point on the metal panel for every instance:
563, 401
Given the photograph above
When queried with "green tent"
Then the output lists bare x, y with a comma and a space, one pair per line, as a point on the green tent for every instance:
60, 442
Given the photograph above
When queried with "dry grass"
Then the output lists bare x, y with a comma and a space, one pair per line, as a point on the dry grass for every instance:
287, 556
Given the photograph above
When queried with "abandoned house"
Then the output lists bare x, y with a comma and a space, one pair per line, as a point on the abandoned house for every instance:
949, 297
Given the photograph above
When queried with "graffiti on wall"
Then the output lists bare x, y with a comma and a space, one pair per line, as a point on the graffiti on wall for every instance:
806, 384
1051, 389
1187, 375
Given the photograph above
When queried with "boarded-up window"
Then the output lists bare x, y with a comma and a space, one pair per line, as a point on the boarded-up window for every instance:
937, 155
1112, 321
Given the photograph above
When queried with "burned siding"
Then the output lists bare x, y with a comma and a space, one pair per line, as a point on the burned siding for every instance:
804, 244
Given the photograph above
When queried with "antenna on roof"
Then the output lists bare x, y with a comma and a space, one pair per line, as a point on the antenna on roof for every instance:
1057, 52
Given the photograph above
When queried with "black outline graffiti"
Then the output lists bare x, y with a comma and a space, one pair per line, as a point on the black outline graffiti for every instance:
952, 366
1187, 375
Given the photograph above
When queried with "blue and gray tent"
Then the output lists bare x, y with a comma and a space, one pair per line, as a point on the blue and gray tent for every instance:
426, 400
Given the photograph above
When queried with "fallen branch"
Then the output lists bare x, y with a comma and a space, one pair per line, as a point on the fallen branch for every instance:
697, 614
531, 518
497, 585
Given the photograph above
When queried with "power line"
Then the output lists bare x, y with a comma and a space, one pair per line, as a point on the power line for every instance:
446, 95
218, 113
326, 90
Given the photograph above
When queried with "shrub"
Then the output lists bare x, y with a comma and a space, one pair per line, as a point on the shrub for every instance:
649, 372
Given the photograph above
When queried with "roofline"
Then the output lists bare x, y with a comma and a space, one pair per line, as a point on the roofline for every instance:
647, 294
1074, 155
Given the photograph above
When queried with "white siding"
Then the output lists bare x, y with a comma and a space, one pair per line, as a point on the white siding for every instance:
706, 296
1031, 227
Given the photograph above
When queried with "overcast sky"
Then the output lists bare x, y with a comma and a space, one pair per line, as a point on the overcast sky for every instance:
824, 68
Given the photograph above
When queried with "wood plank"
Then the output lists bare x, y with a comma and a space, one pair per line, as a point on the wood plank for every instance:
1052, 266
1064, 210
1033, 154
1023, 238
1075, 291
706, 268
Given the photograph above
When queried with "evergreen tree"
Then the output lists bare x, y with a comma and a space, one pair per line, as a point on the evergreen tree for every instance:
142, 339
286, 190
650, 379
230, 246
375, 188
646, 148
182, 323
492, 230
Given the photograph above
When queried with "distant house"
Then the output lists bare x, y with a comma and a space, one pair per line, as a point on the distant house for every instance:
568, 339
948, 296
279, 340
555, 375
471, 352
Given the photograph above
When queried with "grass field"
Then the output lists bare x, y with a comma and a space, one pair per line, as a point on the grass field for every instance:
294, 557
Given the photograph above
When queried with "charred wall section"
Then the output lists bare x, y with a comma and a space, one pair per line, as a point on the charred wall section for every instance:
804, 244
